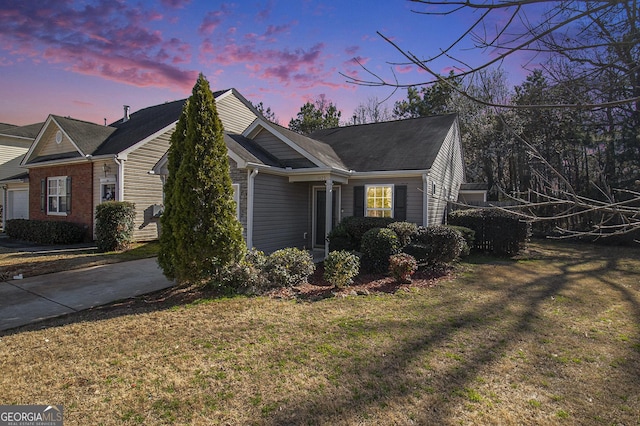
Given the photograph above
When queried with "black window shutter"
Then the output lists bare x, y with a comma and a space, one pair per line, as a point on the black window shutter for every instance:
358, 201
400, 203
68, 194
43, 194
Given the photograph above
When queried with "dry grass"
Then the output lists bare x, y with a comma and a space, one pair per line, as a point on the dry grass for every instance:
553, 338
48, 261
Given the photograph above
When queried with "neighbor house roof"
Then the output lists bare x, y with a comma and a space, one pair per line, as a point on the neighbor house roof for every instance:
30, 131
411, 144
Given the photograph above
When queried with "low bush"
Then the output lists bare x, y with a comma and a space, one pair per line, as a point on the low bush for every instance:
289, 266
496, 231
403, 230
469, 236
348, 234
247, 276
340, 239
114, 225
340, 267
402, 266
435, 245
46, 231
378, 244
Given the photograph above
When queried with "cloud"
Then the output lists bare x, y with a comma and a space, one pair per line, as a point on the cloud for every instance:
175, 4
106, 39
213, 19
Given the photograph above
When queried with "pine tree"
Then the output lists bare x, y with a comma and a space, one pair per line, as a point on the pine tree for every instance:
200, 232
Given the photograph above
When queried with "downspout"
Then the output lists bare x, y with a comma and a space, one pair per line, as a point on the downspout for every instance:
425, 199
120, 191
5, 200
251, 175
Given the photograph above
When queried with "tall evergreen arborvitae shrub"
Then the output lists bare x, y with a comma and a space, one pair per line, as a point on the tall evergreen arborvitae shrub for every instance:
114, 225
200, 232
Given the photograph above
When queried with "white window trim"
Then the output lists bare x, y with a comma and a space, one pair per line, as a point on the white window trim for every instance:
236, 198
393, 195
64, 181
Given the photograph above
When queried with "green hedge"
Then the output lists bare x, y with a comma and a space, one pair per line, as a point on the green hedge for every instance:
348, 234
114, 225
435, 245
496, 231
378, 244
46, 231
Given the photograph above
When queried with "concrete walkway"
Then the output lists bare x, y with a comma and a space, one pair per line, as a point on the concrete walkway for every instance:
46, 296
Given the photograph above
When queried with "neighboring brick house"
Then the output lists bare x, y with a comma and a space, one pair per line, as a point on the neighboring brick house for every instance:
75, 165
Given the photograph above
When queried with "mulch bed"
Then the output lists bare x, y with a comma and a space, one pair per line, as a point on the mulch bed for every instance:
364, 284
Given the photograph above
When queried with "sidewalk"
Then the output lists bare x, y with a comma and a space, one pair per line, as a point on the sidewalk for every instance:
46, 296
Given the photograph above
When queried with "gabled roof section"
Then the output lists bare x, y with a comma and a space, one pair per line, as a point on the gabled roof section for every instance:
86, 136
249, 151
411, 144
318, 149
30, 131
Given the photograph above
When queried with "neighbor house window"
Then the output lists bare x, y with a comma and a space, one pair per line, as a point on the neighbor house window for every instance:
107, 189
57, 195
379, 200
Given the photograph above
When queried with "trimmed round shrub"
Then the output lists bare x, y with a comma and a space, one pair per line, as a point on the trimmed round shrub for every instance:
469, 236
247, 276
289, 267
340, 267
378, 244
114, 225
348, 234
435, 245
340, 239
404, 230
402, 266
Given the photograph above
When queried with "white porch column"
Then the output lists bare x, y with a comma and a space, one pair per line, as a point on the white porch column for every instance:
251, 175
328, 219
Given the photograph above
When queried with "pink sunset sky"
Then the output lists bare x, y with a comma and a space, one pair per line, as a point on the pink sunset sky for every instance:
85, 59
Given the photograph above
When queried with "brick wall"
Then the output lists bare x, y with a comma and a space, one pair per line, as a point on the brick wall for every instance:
81, 193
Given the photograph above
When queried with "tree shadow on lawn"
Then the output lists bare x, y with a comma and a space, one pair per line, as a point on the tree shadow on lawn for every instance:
505, 321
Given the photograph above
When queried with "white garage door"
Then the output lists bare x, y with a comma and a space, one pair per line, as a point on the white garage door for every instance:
18, 203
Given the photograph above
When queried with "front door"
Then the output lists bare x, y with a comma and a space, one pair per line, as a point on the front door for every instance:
320, 213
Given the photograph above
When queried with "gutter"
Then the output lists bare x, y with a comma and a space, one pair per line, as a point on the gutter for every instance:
120, 163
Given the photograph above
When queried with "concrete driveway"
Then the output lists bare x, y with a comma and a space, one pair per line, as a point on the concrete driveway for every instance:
46, 296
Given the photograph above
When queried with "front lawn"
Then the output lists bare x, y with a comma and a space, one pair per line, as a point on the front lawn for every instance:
552, 338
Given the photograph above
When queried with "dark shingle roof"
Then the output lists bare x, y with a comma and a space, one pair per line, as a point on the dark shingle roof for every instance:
87, 136
141, 124
411, 144
28, 131
249, 151
313, 146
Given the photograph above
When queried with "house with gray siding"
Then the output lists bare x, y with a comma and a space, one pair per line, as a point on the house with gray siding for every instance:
293, 189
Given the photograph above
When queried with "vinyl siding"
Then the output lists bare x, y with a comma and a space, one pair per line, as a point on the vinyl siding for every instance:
234, 114
281, 213
11, 153
447, 172
143, 189
276, 147
414, 195
48, 146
